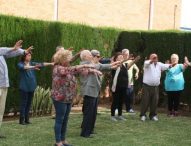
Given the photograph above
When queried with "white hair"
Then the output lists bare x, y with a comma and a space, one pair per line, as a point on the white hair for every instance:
125, 51
175, 56
83, 54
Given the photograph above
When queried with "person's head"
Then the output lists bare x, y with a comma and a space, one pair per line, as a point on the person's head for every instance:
58, 48
118, 57
96, 55
125, 53
26, 57
86, 55
174, 58
63, 57
154, 57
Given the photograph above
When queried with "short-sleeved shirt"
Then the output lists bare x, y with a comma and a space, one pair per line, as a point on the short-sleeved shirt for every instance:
174, 80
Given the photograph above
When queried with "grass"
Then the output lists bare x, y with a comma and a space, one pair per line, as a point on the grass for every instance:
133, 132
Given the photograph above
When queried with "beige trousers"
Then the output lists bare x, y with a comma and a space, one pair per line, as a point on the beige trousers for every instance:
3, 96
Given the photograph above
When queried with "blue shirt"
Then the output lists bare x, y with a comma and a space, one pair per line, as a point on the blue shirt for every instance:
27, 77
174, 80
4, 54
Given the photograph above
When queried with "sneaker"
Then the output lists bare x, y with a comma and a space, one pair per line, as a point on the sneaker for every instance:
131, 111
121, 118
113, 118
155, 118
143, 118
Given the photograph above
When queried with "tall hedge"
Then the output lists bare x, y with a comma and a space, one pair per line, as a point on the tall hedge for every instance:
164, 43
45, 36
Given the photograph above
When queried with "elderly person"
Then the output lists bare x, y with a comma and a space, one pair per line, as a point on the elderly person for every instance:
174, 84
5, 53
27, 84
64, 88
74, 58
90, 89
131, 77
151, 81
119, 85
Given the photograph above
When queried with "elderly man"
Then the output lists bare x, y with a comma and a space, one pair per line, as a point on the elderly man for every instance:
4, 79
130, 88
90, 89
151, 81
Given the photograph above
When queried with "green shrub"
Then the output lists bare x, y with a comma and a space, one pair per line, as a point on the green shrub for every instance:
42, 103
45, 36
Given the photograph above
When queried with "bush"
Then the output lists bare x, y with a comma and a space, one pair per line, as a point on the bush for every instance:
45, 36
164, 43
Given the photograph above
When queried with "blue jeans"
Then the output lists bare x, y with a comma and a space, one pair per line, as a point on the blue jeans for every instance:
129, 97
62, 113
26, 100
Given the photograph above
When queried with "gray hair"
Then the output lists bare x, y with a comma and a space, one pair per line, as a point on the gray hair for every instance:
124, 51
83, 54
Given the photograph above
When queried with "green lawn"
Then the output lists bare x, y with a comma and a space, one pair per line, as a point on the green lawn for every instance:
133, 132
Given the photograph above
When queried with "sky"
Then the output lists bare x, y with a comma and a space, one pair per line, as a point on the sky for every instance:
186, 14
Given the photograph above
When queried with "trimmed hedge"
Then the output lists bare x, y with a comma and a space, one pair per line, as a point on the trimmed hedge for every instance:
45, 36
164, 43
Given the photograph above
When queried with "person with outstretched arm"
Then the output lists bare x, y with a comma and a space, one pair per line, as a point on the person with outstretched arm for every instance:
5, 53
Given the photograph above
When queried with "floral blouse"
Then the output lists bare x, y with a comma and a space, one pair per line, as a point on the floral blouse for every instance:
64, 83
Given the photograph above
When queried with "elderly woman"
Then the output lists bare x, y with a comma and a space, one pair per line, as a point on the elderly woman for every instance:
174, 84
90, 89
64, 87
27, 84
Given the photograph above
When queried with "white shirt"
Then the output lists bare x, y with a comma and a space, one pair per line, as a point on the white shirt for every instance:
152, 72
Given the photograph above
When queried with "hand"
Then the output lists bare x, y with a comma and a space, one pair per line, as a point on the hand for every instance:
99, 73
28, 50
136, 76
38, 66
186, 61
18, 45
118, 63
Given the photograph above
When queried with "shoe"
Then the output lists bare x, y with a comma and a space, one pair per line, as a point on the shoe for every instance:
21, 121
131, 111
62, 145
67, 144
87, 136
93, 132
155, 118
122, 118
27, 120
143, 118
113, 118
2, 136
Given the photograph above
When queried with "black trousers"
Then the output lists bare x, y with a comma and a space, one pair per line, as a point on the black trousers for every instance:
118, 97
89, 115
173, 100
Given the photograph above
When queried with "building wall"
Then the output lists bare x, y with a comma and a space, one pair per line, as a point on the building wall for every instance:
128, 14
